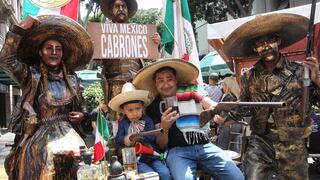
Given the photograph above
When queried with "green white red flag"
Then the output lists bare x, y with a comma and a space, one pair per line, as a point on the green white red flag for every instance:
68, 8
102, 137
178, 36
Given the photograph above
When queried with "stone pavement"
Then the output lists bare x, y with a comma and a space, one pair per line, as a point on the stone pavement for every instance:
6, 138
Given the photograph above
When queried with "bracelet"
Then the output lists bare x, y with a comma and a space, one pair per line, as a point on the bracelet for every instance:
165, 130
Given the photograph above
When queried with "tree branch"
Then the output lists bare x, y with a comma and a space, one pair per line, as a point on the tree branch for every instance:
242, 11
230, 10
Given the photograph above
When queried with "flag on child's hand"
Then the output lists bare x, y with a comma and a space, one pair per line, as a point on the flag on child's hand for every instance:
69, 8
102, 136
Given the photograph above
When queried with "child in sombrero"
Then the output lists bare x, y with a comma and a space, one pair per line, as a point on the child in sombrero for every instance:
131, 103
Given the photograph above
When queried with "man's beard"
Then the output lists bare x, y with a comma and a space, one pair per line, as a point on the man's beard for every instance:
268, 53
122, 17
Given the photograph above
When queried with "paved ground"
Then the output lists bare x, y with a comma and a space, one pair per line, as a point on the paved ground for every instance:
7, 138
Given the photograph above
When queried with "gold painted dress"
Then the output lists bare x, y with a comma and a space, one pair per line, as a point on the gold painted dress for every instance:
48, 153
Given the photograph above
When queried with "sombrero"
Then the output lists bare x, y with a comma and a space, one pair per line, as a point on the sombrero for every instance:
289, 27
77, 44
186, 73
106, 6
129, 93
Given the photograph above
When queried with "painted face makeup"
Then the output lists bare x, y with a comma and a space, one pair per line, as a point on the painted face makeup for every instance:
51, 53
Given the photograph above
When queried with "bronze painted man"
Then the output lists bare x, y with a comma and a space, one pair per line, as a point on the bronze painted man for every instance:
277, 143
40, 55
118, 71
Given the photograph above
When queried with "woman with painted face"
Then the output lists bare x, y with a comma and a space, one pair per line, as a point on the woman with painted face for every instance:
40, 55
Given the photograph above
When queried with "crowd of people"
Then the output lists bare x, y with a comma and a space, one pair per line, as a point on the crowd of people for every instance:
48, 117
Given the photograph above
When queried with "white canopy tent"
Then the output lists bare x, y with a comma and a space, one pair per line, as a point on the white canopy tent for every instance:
221, 30
217, 32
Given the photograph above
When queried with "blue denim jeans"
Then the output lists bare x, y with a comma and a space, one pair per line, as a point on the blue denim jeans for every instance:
183, 161
155, 166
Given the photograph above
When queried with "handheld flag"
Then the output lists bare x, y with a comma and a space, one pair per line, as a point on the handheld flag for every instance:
102, 136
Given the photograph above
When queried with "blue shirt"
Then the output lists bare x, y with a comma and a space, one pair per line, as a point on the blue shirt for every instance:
123, 131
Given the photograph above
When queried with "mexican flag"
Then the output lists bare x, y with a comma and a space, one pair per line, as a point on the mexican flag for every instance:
102, 136
178, 36
68, 8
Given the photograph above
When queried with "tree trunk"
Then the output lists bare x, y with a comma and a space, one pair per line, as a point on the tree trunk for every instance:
242, 11
230, 11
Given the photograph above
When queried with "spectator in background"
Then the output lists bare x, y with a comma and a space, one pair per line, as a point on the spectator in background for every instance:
231, 92
94, 113
231, 89
213, 89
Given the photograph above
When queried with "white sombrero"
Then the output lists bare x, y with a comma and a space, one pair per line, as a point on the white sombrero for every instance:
186, 73
129, 93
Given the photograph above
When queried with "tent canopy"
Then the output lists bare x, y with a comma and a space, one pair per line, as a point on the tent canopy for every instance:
217, 32
213, 62
221, 30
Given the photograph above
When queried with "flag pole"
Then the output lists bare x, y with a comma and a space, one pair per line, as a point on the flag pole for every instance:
178, 20
103, 143
180, 32
170, 32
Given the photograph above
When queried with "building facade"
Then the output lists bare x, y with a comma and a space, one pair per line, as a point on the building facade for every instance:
10, 14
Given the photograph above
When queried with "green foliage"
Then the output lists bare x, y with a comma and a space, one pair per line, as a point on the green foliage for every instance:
150, 16
92, 95
98, 17
216, 10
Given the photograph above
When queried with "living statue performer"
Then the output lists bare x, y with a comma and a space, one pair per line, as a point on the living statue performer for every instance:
40, 55
116, 72
276, 148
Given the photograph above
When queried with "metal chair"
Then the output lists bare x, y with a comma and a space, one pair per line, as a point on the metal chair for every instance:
232, 140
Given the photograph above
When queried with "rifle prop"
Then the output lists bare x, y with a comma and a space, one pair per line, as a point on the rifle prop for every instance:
137, 136
306, 72
207, 115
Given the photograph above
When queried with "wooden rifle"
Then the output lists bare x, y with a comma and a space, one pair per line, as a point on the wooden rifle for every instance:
306, 72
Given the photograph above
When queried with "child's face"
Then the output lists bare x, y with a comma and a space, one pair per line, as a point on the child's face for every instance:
133, 111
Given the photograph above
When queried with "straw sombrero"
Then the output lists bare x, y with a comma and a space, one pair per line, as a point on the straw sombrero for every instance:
129, 93
77, 44
106, 6
289, 27
186, 73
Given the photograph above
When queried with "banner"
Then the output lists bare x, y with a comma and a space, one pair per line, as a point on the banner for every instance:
122, 41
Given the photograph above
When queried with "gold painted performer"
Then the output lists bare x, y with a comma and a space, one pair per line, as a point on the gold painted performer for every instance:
116, 72
276, 148
40, 55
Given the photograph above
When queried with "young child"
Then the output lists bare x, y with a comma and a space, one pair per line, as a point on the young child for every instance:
131, 103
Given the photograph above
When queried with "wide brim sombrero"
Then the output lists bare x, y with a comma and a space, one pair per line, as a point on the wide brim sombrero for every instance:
129, 93
289, 27
106, 5
186, 73
77, 43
